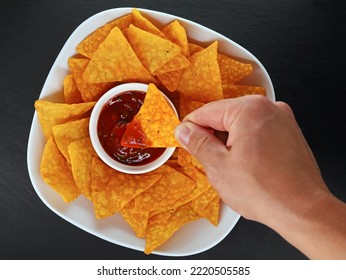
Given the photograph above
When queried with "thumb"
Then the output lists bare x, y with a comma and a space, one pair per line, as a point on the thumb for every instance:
201, 143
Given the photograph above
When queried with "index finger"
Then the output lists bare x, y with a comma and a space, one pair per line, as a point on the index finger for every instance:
220, 115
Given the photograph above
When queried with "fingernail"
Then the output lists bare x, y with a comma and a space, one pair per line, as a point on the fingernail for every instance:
182, 133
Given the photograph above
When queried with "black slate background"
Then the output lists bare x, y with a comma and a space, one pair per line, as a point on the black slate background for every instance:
301, 43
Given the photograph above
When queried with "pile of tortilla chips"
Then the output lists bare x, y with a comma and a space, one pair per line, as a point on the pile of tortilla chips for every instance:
133, 49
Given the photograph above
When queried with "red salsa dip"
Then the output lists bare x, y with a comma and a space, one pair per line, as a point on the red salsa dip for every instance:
111, 126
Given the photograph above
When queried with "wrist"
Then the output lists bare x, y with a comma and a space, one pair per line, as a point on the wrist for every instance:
315, 227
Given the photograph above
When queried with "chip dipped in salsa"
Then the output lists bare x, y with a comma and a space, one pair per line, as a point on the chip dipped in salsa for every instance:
114, 117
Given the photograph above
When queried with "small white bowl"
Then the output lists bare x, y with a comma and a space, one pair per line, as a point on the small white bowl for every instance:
125, 168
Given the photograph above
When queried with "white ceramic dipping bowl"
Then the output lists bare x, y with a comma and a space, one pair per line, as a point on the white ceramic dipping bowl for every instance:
94, 118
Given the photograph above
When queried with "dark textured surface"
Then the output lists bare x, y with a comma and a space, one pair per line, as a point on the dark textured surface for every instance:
301, 44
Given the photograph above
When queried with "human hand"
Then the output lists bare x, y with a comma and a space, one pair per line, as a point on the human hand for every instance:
265, 164
264, 169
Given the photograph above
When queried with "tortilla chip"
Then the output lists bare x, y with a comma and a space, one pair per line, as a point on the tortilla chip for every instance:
112, 190
157, 121
71, 92
81, 153
153, 51
202, 201
89, 91
115, 61
176, 33
187, 105
201, 186
194, 48
90, 44
202, 79
136, 217
171, 79
161, 227
179, 62
141, 22
232, 71
56, 173
66, 133
169, 188
232, 91
51, 114
184, 157
211, 211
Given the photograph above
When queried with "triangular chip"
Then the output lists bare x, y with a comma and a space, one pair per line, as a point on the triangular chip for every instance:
89, 91
202, 79
143, 23
232, 71
171, 79
71, 92
115, 61
202, 201
112, 190
56, 173
211, 211
90, 44
156, 121
81, 153
176, 33
66, 133
187, 105
201, 185
231, 91
162, 226
179, 62
153, 51
169, 188
194, 48
51, 114
136, 217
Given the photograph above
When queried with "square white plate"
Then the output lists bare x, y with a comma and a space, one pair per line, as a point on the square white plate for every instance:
193, 238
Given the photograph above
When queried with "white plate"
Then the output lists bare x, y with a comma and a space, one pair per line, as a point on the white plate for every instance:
193, 238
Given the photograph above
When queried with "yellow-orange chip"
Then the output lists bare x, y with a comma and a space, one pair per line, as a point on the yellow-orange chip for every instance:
169, 188
202, 201
71, 92
51, 114
136, 217
184, 157
202, 79
194, 48
81, 153
211, 211
89, 91
56, 173
66, 133
90, 44
232, 71
177, 34
162, 226
115, 61
112, 190
172, 186
171, 79
143, 23
179, 62
231, 91
201, 186
153, 51
187, 105
157, 121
